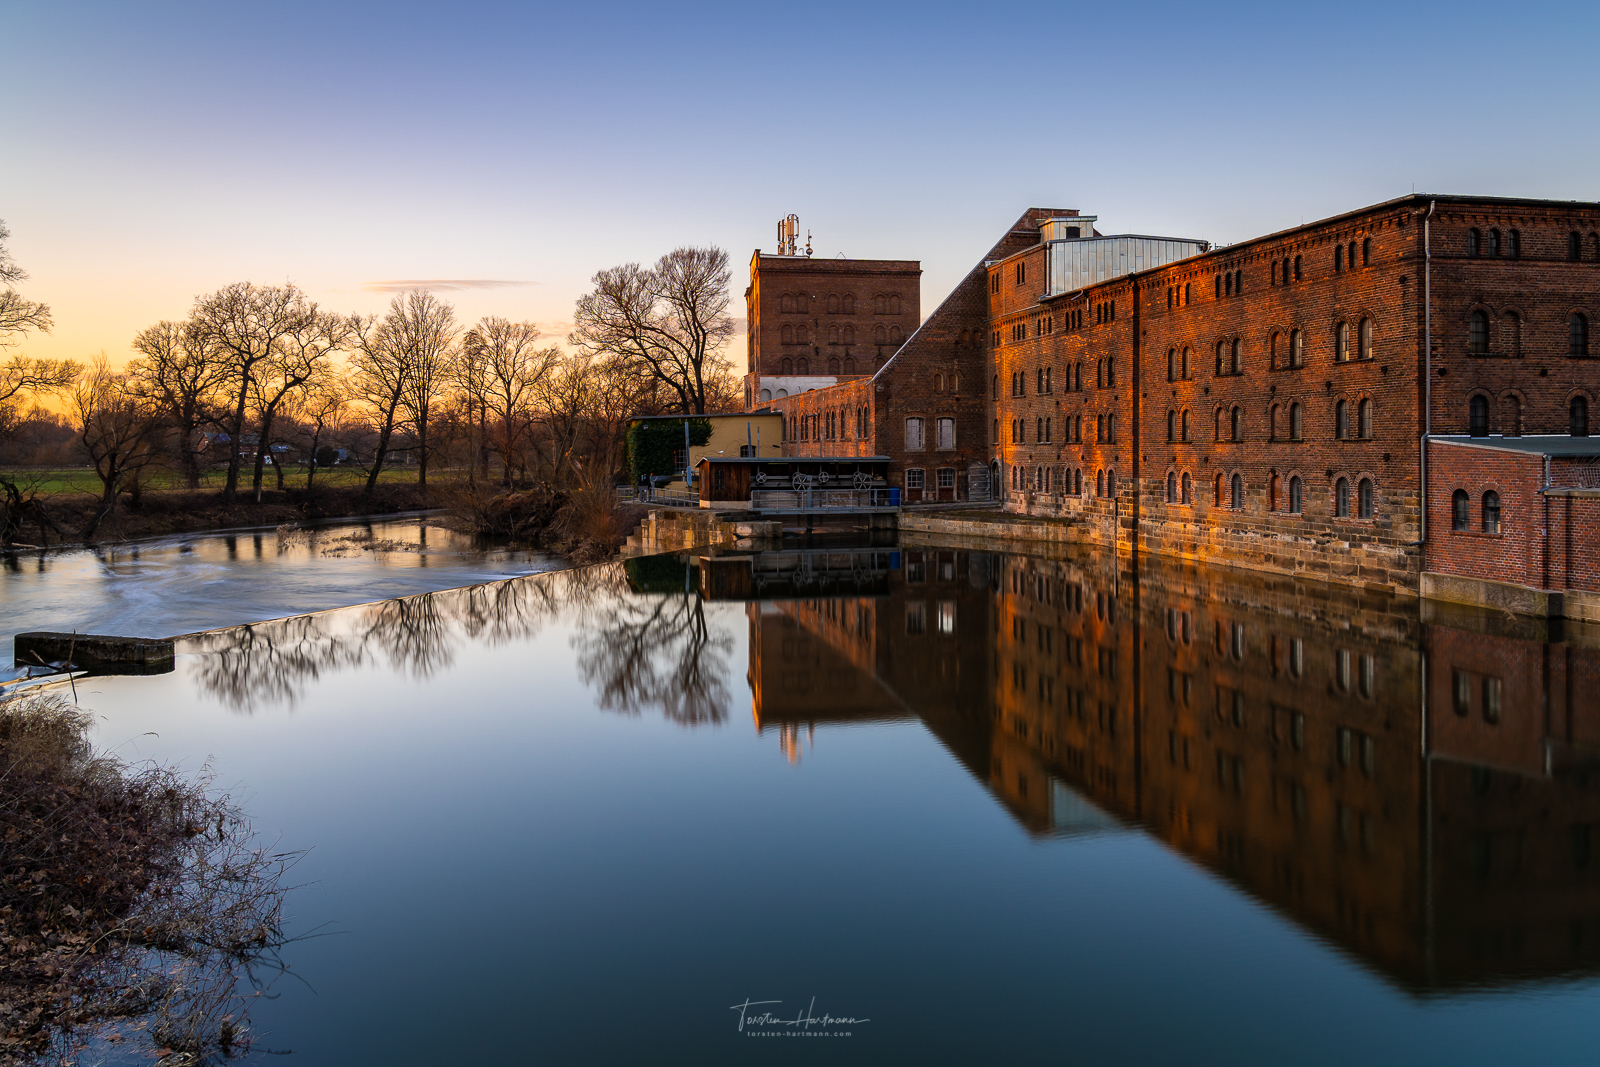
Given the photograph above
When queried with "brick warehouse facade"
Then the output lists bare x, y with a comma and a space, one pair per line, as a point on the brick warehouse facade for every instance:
1261, 404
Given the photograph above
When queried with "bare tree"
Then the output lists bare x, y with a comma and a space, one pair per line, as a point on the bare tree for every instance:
118, 431
422, 329
299, 358
501, 360
378, 381
319, 406
17, 315
178, 372
668, 323
245, 324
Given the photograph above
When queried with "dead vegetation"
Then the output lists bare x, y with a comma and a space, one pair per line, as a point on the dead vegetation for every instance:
586, 524
136, 910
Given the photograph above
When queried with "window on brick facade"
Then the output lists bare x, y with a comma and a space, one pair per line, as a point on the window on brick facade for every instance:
786, 366
1341, 342
1236, 356
1366, 250
1186, 293
1296, 493
1494, 243
1352, 255
1478, 416
1574, 246
1297, 348
1578, 417
994, 282
1274, 353
1172, 364
1216, 489
915, 478
1172, 426
1185, 362
947, 477
1478, 333
1272, 423
787, 334
1111, 482
833, 365
1491, 512
895, 335
802, 365
1022, 272
1172, 487
1341, 420
1185, 427
1216, 429
1236, 424
1341, 498
914, 434
1364, 419
1338, 258
1274, 272
1364, 339
996, 389
1298, 273
1111, 370
1296, 422
945, 430
1217, 282
1100, 483
1187, 490
1236, 492
1513, 244
1577, 334
996, 431
1364, 502
1474, 243
1460, 510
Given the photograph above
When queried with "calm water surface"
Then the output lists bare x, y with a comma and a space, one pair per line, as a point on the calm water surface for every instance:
189, 582
1007, 809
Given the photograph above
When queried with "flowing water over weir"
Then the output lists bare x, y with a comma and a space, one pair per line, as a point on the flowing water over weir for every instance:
188, 582
972, 807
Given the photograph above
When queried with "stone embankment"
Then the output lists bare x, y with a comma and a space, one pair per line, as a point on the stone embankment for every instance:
668, 530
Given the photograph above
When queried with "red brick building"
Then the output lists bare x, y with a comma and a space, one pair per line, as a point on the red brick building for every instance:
1263, 404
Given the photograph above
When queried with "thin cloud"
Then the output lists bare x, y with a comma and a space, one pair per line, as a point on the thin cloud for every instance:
406, 285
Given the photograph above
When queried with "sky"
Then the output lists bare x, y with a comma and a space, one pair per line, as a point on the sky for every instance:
503, 153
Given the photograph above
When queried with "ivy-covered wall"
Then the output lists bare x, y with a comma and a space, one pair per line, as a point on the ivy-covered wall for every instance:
651, 444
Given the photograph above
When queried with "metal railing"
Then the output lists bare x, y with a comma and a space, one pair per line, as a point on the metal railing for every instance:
1566, 477
634, 494
818, 499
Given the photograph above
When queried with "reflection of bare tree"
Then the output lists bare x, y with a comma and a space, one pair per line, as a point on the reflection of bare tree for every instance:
251, 667
268, 663
657, 651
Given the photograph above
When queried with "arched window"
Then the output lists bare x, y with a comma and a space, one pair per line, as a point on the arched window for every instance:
1172, 364
1188, 489
894, 303
1077, 482
1341, 498
802, 365
1296, 492
1478, 416
1474, 242
1574, 246
1491, 512
1237, 355
787, 333
1272, 423
1494, 243
1273, 354
1222, 357
1272, 492
849, 304
1298, 273
1111, 372
1274, 272
1341, 342
1578, 417
1297, 348
1364, 419
1460, 516
997, 387
1352, 255
1364, 340
1216, 489
1296, 422
766, 395
1111, 482
833, 365
850, 335
1514, 244
787, 366
1218, 282
1186, 424
1100, 483
1172, 487
1364, 503
1341, 420
1236, 492
1577, 335
1186, 361
1366, 251
1172, 426
1236, 424
879, 334
894, 335
1217, 429
1338, 258
1478, 333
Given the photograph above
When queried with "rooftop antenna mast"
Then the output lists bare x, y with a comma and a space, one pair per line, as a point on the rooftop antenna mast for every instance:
789, 236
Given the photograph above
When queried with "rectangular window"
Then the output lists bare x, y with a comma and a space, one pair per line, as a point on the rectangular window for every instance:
947, 616
914, 478
916, 617
914, 435
946, 431
947, 477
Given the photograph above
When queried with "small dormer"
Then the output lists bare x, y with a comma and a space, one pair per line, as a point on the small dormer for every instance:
1066, 228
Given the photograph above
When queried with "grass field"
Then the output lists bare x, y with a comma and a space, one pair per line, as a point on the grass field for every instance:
49, 482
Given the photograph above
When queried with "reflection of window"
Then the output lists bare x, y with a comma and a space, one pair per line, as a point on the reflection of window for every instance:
947, 616
1369, 676
916, 617
1461, 687
914, 434
1341, 664
1491, 700
1297, 656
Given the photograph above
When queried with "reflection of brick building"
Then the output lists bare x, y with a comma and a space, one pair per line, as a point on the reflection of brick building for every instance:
1261, 733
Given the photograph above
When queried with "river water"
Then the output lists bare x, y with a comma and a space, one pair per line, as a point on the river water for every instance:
989, 807
188, 582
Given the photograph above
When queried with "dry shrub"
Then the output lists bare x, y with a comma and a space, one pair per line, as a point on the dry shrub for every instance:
522, 515
593, 524
135, 907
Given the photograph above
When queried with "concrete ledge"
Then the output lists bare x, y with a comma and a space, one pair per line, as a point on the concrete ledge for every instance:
1498, 596
95, 652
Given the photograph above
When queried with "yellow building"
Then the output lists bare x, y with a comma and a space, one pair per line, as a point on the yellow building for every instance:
737, 434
